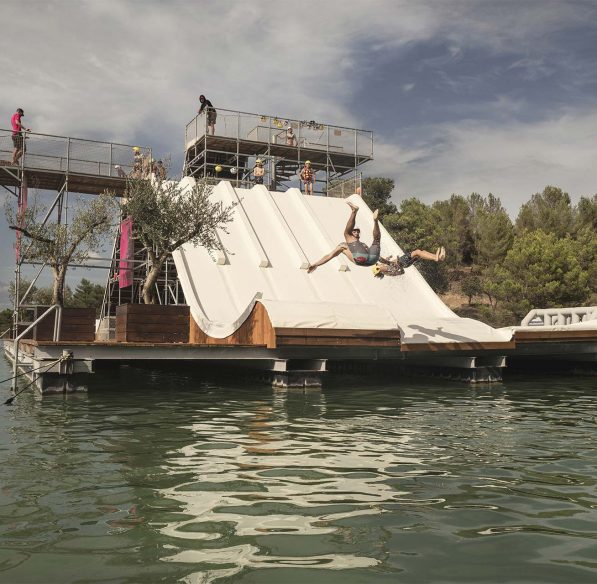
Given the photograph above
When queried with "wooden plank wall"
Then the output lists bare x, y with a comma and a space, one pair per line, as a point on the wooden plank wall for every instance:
152, 323
257, 330
78, 324
317, 337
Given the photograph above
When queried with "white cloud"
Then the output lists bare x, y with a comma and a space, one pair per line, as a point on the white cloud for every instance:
512, 161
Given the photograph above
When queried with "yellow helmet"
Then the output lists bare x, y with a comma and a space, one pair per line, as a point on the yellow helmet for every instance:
307, 162
136, 148
376, 269
218, 168
259, 161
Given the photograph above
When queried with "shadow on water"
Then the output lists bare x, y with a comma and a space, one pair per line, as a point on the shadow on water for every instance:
153, 476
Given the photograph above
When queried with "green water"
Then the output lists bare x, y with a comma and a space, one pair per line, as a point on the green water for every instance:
149, 478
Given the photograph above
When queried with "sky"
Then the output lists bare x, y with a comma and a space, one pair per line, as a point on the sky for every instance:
462, 96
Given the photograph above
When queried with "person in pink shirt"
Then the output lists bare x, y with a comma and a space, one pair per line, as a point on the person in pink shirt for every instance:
18, 135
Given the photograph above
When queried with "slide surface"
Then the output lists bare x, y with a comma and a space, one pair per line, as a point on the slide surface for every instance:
268, 246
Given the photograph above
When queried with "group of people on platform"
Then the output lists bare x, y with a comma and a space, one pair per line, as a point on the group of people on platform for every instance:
307, 175
144, 166
370, 256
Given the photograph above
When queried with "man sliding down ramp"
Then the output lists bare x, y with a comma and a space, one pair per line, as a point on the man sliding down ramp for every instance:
354, 249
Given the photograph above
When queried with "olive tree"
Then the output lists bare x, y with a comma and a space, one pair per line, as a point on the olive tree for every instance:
59, 244
166, 216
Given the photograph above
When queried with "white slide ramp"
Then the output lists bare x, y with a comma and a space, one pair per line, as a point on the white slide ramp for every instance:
271, 240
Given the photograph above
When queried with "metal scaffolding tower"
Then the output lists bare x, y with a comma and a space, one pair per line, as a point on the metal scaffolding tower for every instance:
283, 144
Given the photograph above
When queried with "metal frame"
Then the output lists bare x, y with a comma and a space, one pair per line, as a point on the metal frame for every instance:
337, 151
61, 157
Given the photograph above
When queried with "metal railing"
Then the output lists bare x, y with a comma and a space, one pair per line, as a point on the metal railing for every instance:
271, 129
345, 187
71, 155
18, 337
559, 316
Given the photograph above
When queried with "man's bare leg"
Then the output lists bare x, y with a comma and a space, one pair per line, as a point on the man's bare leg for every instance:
326, 258
376, 230
352, 220
438, 256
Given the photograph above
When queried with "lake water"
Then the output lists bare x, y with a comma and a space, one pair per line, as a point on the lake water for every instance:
153, 478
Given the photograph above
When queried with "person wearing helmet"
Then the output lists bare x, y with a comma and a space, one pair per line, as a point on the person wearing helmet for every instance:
18, 135
353, 248
138, 162
258, 172
308, 177
395, 266
210, 112
290, 137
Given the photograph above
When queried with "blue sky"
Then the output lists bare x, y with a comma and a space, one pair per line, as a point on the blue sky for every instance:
462, 95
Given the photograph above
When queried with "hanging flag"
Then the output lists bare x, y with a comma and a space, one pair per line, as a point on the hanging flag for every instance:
125, 265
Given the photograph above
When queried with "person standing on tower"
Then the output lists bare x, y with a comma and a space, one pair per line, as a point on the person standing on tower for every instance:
258, 172
308, 177
210, 112
18, 135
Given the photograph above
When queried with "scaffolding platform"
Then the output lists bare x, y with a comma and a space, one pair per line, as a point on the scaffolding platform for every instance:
283, 144
55, 163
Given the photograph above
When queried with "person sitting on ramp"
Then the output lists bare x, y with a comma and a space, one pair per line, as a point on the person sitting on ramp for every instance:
396, 266
353, 248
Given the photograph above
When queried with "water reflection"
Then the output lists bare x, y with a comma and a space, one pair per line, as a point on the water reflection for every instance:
158, 478
254, 474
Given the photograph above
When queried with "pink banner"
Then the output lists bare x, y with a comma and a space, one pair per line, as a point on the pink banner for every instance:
125, 266
22, 207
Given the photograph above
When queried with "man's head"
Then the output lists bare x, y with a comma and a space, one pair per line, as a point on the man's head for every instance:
202, 98
356, 232
20, 112
259, 162
308, 163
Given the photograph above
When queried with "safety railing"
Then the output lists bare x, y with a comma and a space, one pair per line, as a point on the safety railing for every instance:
345, 187
76, 155
559, 316
275, 130
56, 336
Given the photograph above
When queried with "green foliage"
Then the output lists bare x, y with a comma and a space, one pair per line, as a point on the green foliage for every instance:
38, 295
471, 286
436, 275
491, 228
5, 319
377, 193
414, 226
59, 244
454, 225
540, 271
166, 216
549, 211
88, 295
586, 214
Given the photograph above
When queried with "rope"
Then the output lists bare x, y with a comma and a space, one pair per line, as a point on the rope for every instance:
11, 399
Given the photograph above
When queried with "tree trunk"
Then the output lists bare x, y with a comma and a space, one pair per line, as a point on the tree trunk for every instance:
58, 288
149, 296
